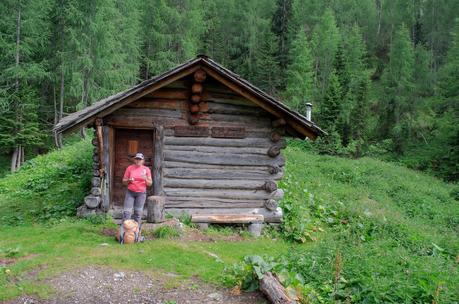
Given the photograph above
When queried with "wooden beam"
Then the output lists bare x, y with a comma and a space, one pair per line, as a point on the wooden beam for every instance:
158, 160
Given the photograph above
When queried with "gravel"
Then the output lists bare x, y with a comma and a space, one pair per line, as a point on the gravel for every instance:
105, 285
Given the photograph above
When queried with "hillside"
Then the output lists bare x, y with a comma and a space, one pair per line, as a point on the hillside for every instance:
355, 230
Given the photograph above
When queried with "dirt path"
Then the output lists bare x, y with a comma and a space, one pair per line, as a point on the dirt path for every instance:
104, 285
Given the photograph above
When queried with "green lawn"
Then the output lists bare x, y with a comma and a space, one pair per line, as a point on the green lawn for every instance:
64, 246
389, 234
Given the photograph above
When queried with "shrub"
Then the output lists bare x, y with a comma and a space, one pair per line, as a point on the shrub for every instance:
166, 232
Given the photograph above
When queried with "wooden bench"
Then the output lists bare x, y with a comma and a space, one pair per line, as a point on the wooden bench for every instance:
255, 221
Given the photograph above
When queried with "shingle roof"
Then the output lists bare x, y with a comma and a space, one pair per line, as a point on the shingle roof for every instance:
105, 106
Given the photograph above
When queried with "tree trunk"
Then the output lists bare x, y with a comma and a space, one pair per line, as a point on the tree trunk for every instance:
14, 158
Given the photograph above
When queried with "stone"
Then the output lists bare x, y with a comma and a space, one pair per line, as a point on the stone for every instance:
255, 229
84, 211
92, 201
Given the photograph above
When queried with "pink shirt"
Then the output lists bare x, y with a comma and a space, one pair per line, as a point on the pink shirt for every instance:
137, 172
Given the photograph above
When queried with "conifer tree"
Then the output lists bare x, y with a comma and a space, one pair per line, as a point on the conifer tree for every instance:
325, 40
300, 74
280, 27
398, 87
24, 32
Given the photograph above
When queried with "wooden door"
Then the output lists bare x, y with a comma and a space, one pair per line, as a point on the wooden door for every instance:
127, 143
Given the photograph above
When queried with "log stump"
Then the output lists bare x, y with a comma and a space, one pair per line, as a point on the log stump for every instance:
274, 291
155, 209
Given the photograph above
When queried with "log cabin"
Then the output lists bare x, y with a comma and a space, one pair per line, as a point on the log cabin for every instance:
213, 142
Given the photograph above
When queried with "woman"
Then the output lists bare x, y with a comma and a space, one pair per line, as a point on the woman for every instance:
137, 177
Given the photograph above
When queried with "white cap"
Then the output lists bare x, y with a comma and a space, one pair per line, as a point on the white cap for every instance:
139, 156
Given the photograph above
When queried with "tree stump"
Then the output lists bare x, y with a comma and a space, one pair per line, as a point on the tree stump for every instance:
155, 209
274, 290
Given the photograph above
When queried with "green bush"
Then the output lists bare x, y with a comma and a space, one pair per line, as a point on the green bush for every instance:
166, 232
47, 187
375, 232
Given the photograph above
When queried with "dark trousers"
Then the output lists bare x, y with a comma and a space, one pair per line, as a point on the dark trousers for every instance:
134, 200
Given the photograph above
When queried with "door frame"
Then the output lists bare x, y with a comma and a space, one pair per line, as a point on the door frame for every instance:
112, 157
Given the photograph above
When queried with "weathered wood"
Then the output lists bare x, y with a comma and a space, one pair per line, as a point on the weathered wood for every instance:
158, 160
200, 75
274, 151
92, 201
228, 132
223, 158
224, 193
100, 140
196, 88
215, 149
204, 202
195, 98
256, 173
95, 165
95, 158
219, 184
191, 131
274, 290
220, 142
275, 136
193, 120
170, 93
227, 218
140, 113
155, 209
271, 204
159, 103
194, 108
96, 173
270, 186
275, 169
94, 142
255, 229
270, 216
278, 123
234, 109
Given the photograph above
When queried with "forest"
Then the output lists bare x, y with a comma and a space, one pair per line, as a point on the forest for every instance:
382, 75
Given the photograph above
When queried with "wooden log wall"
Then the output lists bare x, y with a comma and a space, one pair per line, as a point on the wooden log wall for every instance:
220, 153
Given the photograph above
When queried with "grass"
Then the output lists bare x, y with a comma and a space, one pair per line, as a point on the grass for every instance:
78, 243
373, 232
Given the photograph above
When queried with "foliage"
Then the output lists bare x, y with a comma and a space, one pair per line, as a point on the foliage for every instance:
47, 187
166, 232
375, 232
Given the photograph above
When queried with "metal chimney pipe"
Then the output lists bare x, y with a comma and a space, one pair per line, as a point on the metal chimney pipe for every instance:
308, 110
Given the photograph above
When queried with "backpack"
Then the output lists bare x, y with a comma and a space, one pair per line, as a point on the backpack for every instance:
129, 233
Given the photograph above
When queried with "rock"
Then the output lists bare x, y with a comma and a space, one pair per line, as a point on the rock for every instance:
92, 201
84, 211
119, 276
215, 296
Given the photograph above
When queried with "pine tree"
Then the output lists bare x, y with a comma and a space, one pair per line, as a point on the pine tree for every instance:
24, 32
280, 27
325, 40
447, 112
329, 109
300, 74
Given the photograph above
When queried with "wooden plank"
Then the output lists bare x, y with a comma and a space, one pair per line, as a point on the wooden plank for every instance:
217, 173
228, 132
215, 149
235, 109
168, 93
158, 145
227, 218
117, 104
158, 103
191, 131
180, 202
224, 193
221, 142
270, 216
136, 112
250, 131
223, 158
214, 183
